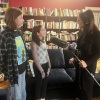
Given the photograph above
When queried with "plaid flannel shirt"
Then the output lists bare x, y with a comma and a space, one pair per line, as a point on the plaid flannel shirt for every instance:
8, 56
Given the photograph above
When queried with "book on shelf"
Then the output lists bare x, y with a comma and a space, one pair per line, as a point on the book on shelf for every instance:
29, 11
3, 6
40, 12
31, 23
27, 36
61, 12
75, 13
55, 25
54, 12
49, 25
68, 12
50, 34
68, 36
48, 12
33, 11
68, 25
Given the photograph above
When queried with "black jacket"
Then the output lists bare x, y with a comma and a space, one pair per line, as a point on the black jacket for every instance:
89, 46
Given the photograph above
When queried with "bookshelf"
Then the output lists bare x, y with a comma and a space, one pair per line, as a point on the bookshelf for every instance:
3, 8
64, 27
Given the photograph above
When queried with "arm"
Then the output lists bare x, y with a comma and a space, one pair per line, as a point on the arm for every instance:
48, 60
2, 52
35, 57
49, 64
95, 49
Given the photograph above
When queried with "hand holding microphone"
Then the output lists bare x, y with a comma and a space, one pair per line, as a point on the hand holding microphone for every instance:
82, 64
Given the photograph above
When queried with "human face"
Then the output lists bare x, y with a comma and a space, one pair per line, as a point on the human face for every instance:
42, 33
19, 21
80, 22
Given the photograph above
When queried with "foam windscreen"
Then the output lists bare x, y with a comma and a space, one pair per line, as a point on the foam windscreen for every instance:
59, 42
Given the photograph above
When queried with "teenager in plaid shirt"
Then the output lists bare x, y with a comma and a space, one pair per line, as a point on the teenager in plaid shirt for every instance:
13, 57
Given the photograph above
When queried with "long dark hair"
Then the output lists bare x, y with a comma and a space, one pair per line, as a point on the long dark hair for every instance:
88, 20
35, 37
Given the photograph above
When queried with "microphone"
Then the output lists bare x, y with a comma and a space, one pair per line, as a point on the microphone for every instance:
59, 42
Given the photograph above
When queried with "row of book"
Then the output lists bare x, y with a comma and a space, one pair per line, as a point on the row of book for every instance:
64, 36
97, 19
3, 1
31, 23
3, 6
49, 12
62, 25
51, 25
2, 22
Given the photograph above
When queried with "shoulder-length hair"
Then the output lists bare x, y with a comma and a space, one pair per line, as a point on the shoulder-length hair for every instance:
35, 37
88, 20
10, 15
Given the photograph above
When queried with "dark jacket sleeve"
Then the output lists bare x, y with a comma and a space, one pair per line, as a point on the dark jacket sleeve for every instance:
2, 51
95, 48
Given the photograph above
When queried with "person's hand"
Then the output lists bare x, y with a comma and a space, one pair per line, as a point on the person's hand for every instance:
71, 60
48, 72
43, 74
82, 64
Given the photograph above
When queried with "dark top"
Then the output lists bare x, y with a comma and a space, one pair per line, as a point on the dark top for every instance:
89, 46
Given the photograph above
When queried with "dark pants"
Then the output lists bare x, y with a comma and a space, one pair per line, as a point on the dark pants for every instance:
41, 84
87, 82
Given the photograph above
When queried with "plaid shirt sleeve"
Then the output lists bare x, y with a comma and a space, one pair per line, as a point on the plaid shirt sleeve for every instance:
2, 51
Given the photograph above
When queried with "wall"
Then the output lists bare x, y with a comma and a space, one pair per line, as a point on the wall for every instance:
71, 4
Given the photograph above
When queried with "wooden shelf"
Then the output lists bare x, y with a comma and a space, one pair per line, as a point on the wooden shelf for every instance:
69, 30
68, 18
27, 17
52, 18
27, 29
